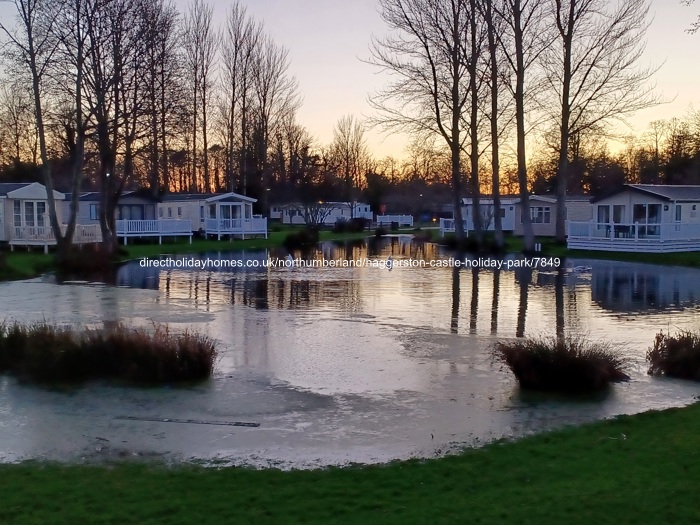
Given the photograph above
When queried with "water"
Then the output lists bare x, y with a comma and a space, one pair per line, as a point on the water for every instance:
342, 365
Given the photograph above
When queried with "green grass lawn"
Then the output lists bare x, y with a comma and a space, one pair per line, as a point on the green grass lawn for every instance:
642, 469
22, 264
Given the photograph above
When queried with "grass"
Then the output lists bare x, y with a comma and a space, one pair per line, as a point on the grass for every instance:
51, 354
570, 364
24, 265
675, 355
642, 469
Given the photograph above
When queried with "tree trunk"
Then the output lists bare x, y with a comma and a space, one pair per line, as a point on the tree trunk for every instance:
528, 235
495, 161
474, 129
563, 164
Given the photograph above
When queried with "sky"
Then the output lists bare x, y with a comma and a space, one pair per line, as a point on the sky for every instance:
327, 40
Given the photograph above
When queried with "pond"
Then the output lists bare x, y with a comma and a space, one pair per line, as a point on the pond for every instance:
341, 364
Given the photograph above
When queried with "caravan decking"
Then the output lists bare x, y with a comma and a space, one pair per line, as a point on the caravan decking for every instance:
154, 228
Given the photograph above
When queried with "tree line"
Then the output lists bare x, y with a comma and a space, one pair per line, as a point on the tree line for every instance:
108, 94
111, 94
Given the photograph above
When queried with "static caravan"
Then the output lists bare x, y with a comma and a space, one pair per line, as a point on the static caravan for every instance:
327, 213
24, 214
488, 212
543, 214
641, 218
186, 206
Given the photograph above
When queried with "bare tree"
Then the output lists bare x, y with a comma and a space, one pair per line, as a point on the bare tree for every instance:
429, 92
200, 43
486, 8
523, 42
163, 94
594, 72
33, 44
239, 40
115, 96
349, 153
276, 96
18, 123
695, 27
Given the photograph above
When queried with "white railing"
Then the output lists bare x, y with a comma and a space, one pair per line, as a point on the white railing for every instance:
401, 220
83, 234
253, 225
153, 227
448, 226
43, 234
628, 232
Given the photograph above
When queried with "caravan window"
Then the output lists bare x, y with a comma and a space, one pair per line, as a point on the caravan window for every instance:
18, 213
29, 214
93, 212
540, 214
40, 213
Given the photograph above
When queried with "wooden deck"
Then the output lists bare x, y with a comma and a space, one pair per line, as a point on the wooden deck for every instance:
154, 228
43, 235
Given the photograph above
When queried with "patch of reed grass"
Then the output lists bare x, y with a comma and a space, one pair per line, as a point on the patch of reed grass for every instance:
675, 355
46, 353
570, 364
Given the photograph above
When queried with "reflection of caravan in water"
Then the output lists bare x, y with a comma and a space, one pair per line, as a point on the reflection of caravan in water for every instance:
636, 287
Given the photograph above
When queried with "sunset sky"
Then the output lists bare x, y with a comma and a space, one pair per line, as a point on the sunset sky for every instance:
328, 38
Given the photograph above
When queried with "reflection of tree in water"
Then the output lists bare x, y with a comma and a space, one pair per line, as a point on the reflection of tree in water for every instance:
494, 300
297, 287
454, 321
523, 277
474, 305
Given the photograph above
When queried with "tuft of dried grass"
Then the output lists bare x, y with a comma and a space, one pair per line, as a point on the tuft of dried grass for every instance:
676, 355
570, 364
47, 353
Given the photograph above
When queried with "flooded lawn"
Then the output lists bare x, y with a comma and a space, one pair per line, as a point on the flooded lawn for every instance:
341, 365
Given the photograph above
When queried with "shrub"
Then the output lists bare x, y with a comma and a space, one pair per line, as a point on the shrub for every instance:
675, 355
49, 354
355, 225
340, 226
394, 226
561, 365
302, 239
380, 231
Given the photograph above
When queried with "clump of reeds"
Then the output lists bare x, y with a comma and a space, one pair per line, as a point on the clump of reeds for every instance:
676, 355
570, 364
48, 353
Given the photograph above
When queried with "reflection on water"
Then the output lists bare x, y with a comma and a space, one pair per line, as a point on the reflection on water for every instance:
641, 287
347, 363
524, 301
